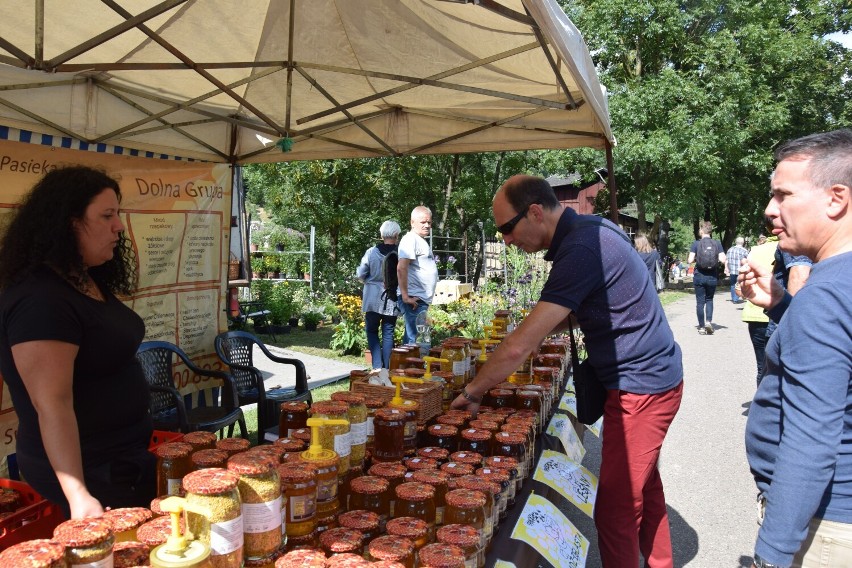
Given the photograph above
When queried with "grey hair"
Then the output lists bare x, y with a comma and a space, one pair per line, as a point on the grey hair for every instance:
830, 155
389, 229
740, 241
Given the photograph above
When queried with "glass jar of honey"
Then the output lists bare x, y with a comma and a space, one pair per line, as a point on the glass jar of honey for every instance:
392, 549
173, 464
451, 419
303, 434
416, 500
394, 473
233, 445
273, 451
373, 403
123, 522
444, 436
328, 503
467, 457
436, 453
467, 507
292, 416
200, 440
438, 480
518, 435
456, 469
371, 493
367, 522
475, 440
412, 528
439, 555
482, 424
511, 467
299, 489
465, 537
341, 541
453, 352
507, 487
397, 357
389, 442
447, 386
357, 415
409, 407
418, 463
529, 400
491, 491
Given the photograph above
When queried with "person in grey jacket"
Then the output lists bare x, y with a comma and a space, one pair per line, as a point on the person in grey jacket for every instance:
378, 311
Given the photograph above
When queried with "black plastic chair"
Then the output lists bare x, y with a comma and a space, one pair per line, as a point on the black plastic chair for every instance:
235, 349
169, 408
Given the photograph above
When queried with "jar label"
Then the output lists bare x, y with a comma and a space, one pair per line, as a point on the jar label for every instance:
301, 507
343, 445
459, 368
470, 562
439, 516
173, 486
284, 517
226, 537
410, 431
326, 490
261, 517
102, 563
358, 433
371, 430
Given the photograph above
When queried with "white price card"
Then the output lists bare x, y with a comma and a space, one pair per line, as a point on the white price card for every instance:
562, 427
571, 480
568, 403
543, 526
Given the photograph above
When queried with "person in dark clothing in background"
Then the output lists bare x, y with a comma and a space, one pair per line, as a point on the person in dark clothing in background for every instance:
378, 311
706, 275
651, 258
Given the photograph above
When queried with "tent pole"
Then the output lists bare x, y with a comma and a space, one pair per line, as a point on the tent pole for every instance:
610, 182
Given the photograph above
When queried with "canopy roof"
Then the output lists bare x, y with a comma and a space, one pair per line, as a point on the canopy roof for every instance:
222, 80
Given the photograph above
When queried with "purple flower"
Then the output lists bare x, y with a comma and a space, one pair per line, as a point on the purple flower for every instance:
451, 259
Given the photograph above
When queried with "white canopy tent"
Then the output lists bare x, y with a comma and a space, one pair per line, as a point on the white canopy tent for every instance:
223, 80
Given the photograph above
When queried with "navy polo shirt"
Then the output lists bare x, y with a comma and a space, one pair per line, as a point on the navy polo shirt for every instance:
603, 280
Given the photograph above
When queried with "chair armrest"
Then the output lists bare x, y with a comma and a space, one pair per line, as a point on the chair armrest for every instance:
181, 407
228, 383
301, 371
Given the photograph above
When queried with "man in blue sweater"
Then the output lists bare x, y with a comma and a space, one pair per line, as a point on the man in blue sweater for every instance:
799, 431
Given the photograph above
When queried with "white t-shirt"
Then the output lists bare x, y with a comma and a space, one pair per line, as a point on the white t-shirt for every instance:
422, 271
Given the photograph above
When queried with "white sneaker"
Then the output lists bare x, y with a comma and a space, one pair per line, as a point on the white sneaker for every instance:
708, 328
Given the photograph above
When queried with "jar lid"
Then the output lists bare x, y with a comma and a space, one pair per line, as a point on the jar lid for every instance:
199, 438
478, 484
155, 504
483, 424
443, 430
348, 397
418, 463
390, 414
432, 477
233, 445
209, 458
414, 491
439, 555
528, 394
409, 527
492, 416
474, 458
341, 539
386, 564
131, 553
302, 558
210, 481
290, 444
369, 484
82, 532
501, 462
294, 406
173, 450
493, 473
271, 450
156, 531
451, 420
415, 372
544, 371
329, 408
434, 452
390, 547
359, 519
510, 438
388, 470
348, 560
35, 553
460, 535
456, 469
303, 434
296, 472
519, 427
374, 402
250, 463
465, 498
476, 434
127, 518
407, 405
506, 385
500, 392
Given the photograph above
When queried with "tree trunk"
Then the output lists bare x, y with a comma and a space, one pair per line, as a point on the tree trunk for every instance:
448, 192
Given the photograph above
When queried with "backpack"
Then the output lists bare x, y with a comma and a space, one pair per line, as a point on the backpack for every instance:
389, 278
707, 257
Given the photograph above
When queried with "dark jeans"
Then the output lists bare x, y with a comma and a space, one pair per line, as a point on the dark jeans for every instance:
757, 332
380, 351
733, 281
410, 314
705, 287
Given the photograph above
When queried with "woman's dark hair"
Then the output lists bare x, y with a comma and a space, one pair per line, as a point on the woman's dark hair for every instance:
41, 232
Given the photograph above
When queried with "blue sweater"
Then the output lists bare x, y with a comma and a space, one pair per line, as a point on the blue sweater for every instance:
799, 431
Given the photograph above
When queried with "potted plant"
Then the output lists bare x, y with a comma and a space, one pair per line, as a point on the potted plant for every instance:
273, 265
277, 237
312, 316
258, 267
256, 239
280, 306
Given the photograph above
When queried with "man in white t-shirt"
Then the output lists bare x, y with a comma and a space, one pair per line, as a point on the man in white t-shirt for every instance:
416, 271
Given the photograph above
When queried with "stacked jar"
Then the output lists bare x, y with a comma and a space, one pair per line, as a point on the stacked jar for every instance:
511, 467
335, 437
416, 500
216, 491
453, 351
173, 463
87, 542
392, 548
293, 415
467, 507
357, 416
393, 473
439, 481
373, 403
491, 491
507, 488
440, 555
299, 492
371, 493
417, 530
328, 484
124, 522
475, 440
292, 448
465, 537
389, 442
204, 459
366, 522
260, 495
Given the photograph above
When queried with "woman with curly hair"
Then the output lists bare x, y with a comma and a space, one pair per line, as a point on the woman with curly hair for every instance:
68, 346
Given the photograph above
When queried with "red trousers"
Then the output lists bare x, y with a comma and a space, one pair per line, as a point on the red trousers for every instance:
630, 510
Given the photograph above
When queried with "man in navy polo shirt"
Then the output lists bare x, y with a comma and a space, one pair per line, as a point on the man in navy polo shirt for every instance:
600, 279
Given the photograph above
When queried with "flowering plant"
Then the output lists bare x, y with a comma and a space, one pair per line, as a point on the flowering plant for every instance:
447, 266
349, 337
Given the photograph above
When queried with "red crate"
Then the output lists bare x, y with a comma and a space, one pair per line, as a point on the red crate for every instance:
160, 437
36, 519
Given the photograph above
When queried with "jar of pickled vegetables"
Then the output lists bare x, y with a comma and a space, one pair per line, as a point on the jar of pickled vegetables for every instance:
173, 464
293, 415
299, 490
87, 542
203, 459
392, 548
216, 490
389, 442
123, 522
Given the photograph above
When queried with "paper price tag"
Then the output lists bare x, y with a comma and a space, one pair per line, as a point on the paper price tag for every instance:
548, 531
571, 480
568, 403
563, 428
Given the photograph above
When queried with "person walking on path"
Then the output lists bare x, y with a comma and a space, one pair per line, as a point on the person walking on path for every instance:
707, 253
753, 315
733, 258
651, 257
379, 312
416, 271
799, 429
599, 279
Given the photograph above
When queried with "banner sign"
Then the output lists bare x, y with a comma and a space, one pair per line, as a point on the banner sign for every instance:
562, 427
570, 479
177, 215
543, 526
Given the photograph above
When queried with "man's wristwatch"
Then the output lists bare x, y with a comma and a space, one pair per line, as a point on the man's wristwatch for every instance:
761, 563
470, 397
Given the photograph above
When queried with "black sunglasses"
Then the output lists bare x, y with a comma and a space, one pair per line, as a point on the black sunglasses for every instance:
507, 227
